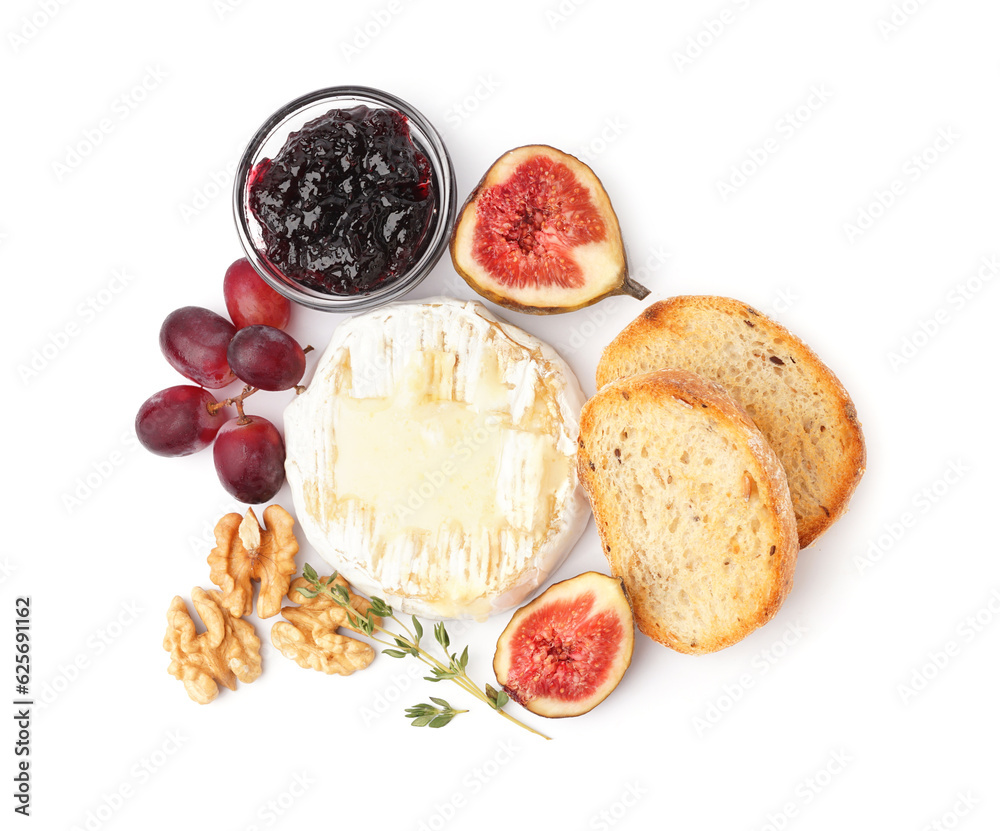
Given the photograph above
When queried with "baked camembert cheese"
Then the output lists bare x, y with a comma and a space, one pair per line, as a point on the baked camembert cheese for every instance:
432, 458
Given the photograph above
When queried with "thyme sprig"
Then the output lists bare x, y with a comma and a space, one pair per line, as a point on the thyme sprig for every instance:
405, 644
427, 715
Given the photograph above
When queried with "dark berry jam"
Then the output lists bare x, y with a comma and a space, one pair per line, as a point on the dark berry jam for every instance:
346, 204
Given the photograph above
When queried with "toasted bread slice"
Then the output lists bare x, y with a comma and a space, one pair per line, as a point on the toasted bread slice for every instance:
692, 507
798, 403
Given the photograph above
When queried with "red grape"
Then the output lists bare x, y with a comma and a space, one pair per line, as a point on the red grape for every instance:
266, 358
177, 422
250, 300
250, 459
194, 341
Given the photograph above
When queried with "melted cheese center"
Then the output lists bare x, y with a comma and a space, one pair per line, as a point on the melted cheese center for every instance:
424, 460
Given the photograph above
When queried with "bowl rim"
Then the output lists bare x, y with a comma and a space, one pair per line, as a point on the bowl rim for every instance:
426, 138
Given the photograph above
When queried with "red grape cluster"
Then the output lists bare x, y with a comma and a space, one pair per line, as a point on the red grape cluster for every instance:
206, 348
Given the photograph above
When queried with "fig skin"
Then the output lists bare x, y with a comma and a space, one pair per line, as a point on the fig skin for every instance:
609, 595
620, 284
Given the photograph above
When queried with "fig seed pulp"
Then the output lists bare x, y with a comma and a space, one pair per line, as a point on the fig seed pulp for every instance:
566, 651
538, 235
528, 223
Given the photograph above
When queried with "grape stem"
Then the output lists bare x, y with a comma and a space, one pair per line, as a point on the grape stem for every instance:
237, 401
299, 388
242, 416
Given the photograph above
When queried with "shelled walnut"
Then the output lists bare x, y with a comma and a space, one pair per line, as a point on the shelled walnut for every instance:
229, 649
310, 636
245, 552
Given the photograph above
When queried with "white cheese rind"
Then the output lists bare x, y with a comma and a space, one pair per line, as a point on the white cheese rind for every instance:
454, 349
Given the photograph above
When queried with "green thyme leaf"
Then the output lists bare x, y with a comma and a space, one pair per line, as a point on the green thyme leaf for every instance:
417, 628
310, 573
444, 673
419, 710
394, 653
427, 715
362, 624
441, 635
441, 675
497, 697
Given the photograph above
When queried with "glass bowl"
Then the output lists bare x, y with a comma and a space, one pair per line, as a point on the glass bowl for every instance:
268, 141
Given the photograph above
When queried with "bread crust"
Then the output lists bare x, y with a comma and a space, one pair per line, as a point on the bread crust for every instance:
653, 395
669, 332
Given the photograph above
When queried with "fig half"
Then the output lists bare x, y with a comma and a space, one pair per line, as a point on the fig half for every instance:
538, 235
564, 652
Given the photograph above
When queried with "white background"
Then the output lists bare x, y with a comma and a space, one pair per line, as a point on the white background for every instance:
833, 715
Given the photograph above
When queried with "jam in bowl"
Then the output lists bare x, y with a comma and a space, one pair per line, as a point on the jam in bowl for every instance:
344, 199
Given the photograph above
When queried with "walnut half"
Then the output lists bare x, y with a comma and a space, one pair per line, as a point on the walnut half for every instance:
229, 649
246, 552
310, 636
